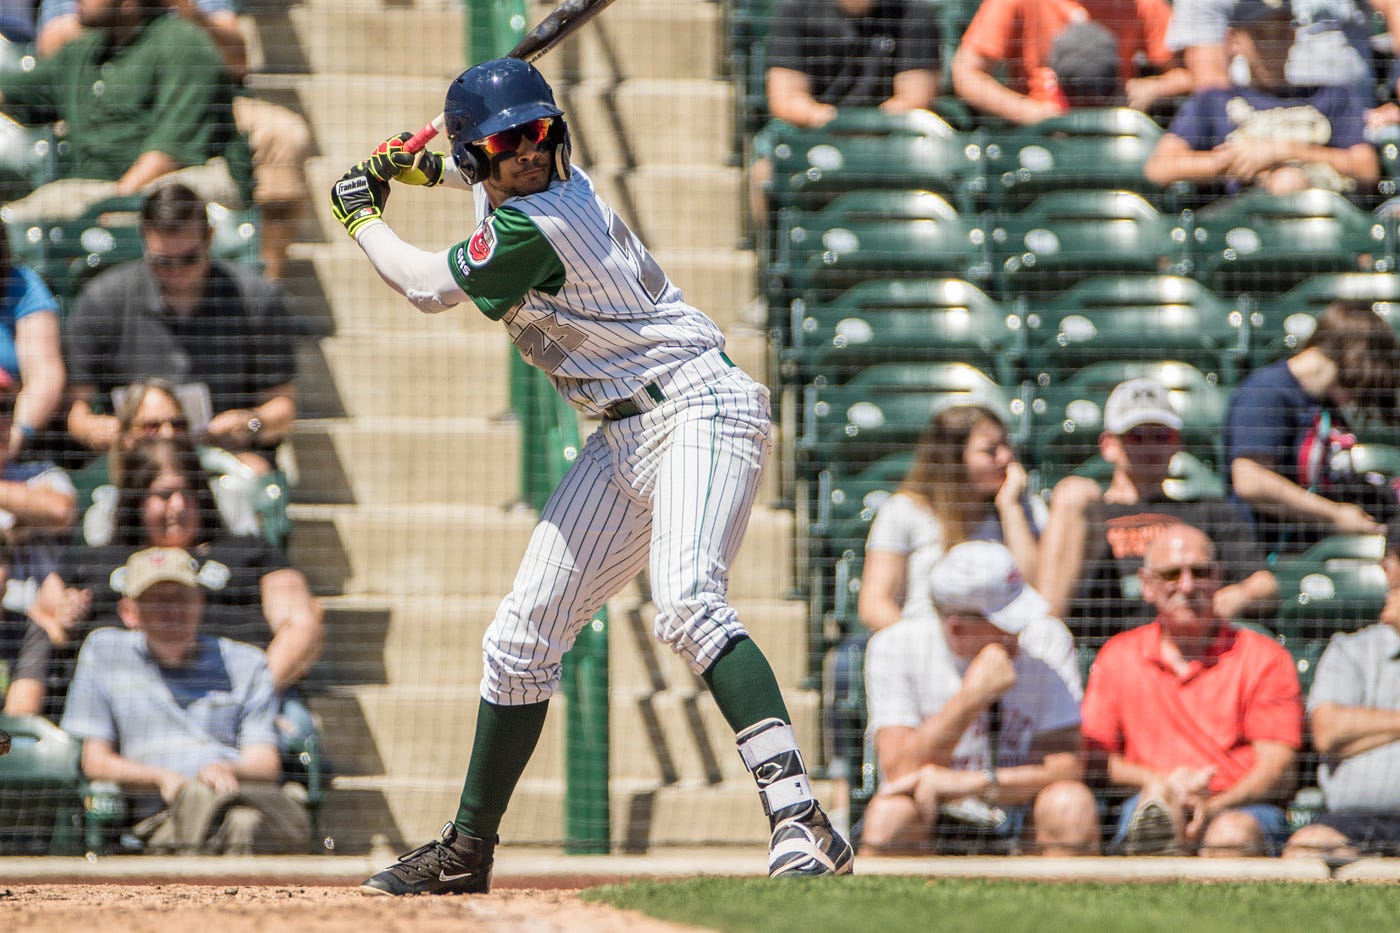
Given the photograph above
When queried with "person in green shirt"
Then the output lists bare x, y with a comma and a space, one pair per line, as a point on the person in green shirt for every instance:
145, 97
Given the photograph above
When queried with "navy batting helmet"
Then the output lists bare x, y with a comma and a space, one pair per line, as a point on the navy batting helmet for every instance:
495, 96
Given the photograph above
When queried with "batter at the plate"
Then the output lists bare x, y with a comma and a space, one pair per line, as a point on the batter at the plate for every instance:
666, 483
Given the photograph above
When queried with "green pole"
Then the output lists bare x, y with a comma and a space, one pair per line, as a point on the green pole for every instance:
549, 440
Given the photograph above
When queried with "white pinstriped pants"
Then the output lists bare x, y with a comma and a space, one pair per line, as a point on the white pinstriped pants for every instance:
670, 489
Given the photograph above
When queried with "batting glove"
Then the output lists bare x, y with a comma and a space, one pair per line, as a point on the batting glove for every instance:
412, 168
358, 199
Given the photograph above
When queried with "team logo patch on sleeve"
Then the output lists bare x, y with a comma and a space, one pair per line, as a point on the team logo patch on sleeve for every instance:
482, 246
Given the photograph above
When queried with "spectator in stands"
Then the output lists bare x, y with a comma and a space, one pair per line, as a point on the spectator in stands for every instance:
254, 596
17, 21
1020, 35
183, 719
1270, 135
161, 113
1098, 532
1199, 719
829, 54
29, 347
1332, 45
977, 726
36, 512
1284, 430
152, 408
964, 485
180, 316
1354, 719
279, 137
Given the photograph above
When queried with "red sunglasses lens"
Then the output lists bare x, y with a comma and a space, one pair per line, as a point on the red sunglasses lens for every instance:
509, 140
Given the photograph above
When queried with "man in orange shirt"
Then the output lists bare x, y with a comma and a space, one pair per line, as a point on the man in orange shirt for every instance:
1020, 34
1203, 720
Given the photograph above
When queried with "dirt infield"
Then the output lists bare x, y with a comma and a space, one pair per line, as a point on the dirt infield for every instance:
229, 908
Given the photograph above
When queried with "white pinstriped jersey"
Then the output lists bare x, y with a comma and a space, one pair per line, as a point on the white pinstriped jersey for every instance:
580, 295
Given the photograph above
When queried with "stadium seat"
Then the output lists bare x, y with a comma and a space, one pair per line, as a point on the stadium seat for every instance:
1337, 585
1280, 325
909, 320
837, 257
1092, 148
1067, 236
41, 790
863, 149
1067, 418
1133, 317
797, 236
884, 409
26, 158
1261, 243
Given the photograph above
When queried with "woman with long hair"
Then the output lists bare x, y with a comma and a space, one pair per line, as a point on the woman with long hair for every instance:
253, 594
964, 484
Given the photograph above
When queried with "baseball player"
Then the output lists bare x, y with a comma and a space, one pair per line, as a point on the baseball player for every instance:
666, 483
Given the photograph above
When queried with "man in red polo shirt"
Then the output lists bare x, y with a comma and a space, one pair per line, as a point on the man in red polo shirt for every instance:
1203, 720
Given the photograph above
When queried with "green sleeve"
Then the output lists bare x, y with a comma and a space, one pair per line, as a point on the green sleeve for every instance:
31, 97
505, 258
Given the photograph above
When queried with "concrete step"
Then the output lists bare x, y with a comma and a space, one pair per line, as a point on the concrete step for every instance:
351, 112
412, 375
668, 737
404, 460
638, 122
464, 550
436, 642
656, 39
643, 815
334, 38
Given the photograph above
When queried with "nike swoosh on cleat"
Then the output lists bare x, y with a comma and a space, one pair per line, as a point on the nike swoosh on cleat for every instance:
444, 876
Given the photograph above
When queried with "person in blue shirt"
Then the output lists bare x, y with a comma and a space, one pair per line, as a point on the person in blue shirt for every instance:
30, 347
1286, 432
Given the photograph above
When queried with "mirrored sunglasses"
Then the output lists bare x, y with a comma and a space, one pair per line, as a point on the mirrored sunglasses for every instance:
507, 141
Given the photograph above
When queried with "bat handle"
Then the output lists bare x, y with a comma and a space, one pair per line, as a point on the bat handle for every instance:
418, 140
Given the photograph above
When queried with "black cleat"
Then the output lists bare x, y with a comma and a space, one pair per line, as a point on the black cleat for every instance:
807, 846
454, 864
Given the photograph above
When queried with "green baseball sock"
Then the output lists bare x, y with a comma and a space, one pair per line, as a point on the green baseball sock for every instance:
743, 685
505, 740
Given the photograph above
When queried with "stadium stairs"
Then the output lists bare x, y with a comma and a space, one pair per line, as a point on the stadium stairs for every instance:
407, 469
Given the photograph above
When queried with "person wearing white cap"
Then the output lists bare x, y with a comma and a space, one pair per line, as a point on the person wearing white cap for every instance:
976, 720
1099, 532
184, 722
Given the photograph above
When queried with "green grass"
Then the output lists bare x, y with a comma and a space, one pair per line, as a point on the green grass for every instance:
884, 903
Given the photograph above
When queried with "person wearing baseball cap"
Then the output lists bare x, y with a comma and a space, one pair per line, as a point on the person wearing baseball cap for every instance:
1100, 529
185, 722
976, 720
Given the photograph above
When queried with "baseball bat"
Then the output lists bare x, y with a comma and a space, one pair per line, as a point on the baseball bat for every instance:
563, 21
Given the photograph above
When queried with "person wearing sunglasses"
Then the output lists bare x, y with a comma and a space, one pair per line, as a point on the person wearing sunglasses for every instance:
178, 315
665, 484
1200, 721
148, 409
1100, 527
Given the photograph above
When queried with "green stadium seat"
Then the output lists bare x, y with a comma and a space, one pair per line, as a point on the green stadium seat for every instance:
1093, 148
836, 257
909, 320
885, 408
1261, 243
1337, 585
1133, 317
1067, 236
863, 149
41, 790
1280, 325
1067, 418
27, 158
